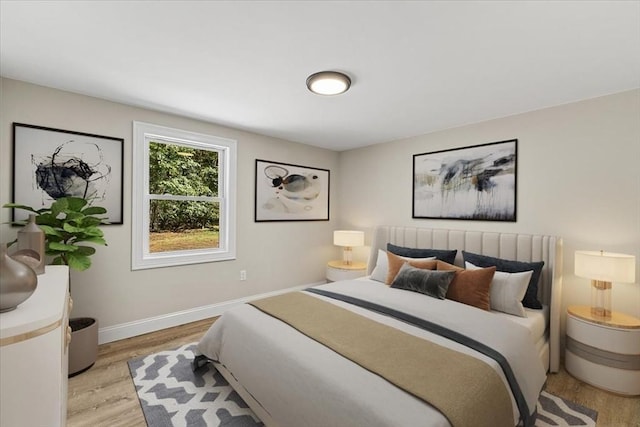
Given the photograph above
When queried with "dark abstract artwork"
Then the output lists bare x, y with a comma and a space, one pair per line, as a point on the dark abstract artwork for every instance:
66, 175
53, 163
472, 183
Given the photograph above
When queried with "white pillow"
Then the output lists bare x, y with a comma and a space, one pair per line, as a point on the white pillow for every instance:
507, 290
379, 272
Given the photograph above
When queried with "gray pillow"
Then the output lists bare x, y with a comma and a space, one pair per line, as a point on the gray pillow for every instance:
429, 282
448, 256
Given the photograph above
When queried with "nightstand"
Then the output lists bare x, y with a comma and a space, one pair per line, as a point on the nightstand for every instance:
336, 270
604, 352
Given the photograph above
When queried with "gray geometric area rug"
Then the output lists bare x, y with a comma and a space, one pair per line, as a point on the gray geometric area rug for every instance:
556, 411
172, 395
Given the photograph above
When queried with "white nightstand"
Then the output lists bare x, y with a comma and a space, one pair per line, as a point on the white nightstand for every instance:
604, 352
336, 270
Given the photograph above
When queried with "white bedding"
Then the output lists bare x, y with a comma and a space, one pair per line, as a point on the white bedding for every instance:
302, 383
535, 322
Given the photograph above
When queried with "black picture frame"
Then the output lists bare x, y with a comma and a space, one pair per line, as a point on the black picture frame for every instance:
51, 163
288, 192
477, 182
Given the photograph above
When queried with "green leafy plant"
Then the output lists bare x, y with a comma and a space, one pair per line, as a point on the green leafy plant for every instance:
68, 224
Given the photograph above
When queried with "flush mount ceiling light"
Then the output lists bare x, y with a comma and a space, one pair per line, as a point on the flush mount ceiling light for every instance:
328, 83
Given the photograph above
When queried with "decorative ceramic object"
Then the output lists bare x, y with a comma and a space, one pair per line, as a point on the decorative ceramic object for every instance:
17, 281
32, 238
27, 257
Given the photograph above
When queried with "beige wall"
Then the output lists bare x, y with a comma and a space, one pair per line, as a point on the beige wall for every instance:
275, 255
578, 177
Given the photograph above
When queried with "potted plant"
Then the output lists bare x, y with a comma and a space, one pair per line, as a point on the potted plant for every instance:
69, 224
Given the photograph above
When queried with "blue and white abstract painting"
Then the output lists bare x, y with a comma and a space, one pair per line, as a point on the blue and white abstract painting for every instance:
473, 183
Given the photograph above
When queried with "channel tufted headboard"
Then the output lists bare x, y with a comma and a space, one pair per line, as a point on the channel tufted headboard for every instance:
519, 247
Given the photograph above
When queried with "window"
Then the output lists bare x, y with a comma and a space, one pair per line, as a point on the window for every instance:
183, 197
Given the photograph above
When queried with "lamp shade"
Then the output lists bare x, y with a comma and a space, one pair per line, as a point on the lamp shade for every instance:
605, 266
348, 238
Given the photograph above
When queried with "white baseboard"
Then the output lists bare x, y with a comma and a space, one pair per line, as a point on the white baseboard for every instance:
152, 324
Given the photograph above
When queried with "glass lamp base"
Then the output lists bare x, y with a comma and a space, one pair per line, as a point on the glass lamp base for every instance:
347, 256
601, 298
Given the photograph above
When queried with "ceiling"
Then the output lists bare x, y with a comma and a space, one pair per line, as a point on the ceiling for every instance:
416, 67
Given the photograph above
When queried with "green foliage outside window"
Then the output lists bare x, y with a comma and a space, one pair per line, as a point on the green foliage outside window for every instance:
182, 171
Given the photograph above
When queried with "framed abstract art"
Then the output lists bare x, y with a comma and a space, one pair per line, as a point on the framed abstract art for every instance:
286, 192
52, 163
472, 183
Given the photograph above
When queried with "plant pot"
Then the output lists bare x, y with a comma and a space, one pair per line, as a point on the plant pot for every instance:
83, 348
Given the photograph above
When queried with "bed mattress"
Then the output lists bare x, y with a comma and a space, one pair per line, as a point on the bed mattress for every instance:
299, 382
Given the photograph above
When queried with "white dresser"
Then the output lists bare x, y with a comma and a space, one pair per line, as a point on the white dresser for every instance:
33, 355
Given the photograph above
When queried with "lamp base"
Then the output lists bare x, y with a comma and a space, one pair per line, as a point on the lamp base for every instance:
347, 256
601, 312
601, 299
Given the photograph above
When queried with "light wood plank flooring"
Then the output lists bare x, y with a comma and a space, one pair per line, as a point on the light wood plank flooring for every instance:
613, 410
104, 395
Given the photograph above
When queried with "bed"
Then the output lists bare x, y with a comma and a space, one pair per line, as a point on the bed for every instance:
291, 378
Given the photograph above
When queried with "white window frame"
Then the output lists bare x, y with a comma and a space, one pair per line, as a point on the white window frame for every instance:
141, 258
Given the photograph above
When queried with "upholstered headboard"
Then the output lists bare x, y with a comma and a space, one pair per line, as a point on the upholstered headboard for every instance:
519, 247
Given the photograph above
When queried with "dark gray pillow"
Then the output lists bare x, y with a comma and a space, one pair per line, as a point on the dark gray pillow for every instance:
448, 256
429, 282
530, 299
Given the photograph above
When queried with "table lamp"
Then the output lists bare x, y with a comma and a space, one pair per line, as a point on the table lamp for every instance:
603, 268
348, 239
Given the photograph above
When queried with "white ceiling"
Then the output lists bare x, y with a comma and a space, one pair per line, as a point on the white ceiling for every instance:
416, 67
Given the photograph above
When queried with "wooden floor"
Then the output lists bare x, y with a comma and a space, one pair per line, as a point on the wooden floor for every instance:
104, 395
613, 410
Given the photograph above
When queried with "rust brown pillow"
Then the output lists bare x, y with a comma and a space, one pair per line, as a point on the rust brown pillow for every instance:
395, 262
471, 287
